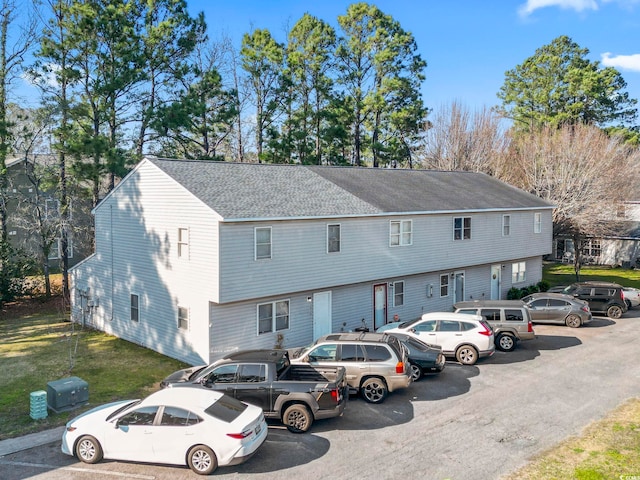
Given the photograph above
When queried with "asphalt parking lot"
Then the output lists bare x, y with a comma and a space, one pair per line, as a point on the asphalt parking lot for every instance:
470, 422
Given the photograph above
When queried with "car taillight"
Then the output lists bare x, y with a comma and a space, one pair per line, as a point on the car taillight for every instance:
400, 367
485, 331
240, 436
621, 295
530, 327
335, 395
585, 308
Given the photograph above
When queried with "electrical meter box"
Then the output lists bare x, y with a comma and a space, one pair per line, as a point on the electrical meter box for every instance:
67, 394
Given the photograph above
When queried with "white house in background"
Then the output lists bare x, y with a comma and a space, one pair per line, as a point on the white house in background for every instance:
197, 258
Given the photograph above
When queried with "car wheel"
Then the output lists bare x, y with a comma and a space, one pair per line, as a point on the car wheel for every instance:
297, 418
373, 390
614, 311
416, 372
467, 355
88, 449
505, 342
202, 460
573, 321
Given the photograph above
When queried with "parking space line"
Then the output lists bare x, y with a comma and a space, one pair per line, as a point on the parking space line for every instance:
77, 469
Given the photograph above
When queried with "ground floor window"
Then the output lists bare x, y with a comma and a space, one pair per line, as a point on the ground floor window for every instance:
273, 316
444, 285
183, 318
518, 272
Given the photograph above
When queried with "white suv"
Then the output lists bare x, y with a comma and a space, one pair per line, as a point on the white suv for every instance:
467, 337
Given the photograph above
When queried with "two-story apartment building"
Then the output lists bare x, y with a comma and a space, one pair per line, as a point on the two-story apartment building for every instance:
197, 258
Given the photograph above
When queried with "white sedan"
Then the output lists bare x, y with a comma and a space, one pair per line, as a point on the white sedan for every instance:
631, 296
193, 426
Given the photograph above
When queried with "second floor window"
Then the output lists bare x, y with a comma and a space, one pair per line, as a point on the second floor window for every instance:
462, 228
537, 222
262, 243
333, 238
183, 242
400, 233
506, 225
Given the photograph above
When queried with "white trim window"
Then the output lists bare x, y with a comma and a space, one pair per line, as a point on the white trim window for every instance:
273, 316
56, 249
398, 294
506, 225
462, 228
333, 238
262, 238
51, 208
400, 233
518, 272
444, 285
537, 222
183, 242
135, 308
183, 318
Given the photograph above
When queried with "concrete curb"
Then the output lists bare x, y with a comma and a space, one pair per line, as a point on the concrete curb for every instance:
13, 445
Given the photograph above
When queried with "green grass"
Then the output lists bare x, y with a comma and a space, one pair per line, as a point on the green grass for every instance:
562, 274
607, 449
41, 347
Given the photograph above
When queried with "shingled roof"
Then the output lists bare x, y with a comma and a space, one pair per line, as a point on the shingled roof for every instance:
244, 191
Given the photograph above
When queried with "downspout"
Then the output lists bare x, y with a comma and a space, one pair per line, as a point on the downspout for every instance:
111, 234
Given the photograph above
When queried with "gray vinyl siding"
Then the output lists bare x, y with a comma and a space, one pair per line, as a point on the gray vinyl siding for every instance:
234, 326
300, 258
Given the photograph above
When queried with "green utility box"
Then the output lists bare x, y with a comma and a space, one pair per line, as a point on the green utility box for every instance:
67, 394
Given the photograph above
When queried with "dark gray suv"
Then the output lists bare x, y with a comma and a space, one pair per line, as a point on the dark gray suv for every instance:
602, 297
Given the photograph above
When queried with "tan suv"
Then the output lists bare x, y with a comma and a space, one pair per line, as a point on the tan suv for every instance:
375, 363
510, 320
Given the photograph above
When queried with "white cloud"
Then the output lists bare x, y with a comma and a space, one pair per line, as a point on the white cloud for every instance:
626, 62
577, 5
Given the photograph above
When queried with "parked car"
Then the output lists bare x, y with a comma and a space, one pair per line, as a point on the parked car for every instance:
376, 364
509, 319
558, 308
424, 358
602, 297
296, 394
631, 296
465, 337
203, 429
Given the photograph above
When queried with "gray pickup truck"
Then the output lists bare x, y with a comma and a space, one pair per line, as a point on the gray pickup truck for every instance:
296, 394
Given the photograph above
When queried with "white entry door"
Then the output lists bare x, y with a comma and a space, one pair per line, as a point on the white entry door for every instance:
321, 314
496, 271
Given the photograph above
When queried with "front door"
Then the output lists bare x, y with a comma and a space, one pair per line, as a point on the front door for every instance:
321, 314
379, 305
458, 287
495, 282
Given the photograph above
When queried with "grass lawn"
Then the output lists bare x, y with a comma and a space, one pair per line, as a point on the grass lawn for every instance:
39, 346
562, 274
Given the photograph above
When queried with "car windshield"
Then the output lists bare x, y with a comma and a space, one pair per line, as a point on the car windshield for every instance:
409, 323
226, 408
123, 408
413, 343
569, 289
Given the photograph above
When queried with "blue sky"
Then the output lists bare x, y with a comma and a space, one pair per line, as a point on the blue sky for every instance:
468, 45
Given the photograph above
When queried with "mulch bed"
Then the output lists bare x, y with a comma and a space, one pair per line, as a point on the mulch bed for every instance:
30, 306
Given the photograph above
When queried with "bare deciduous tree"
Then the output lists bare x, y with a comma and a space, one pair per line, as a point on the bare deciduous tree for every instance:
581, 170
459, 139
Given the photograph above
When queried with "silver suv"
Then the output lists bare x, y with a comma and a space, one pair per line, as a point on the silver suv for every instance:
510, 320
375, 363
